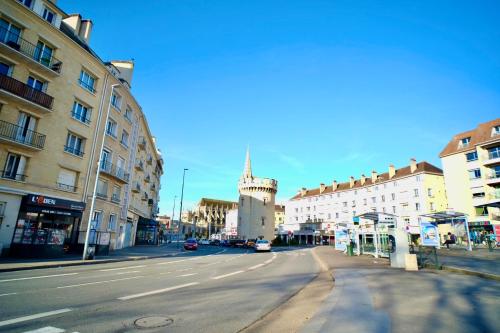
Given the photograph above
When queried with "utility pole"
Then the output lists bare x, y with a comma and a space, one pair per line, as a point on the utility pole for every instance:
172, 220
180, 210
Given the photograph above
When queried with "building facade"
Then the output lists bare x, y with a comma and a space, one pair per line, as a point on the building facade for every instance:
55, 94
279, 216
471, 165
256, 205
211, 214
406, 192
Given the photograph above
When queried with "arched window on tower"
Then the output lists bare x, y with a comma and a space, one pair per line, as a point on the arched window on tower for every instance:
242, 201
265, 199
263, 221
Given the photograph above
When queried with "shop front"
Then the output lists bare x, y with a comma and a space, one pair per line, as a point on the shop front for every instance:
46, 227
147, 231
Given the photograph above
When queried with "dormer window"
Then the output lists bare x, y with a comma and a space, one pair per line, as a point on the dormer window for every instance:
464, 142
495, 130
27, 3
48, 15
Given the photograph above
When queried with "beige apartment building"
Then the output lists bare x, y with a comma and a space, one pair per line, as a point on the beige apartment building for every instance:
279, 216
471, 165
55, 94
210, 215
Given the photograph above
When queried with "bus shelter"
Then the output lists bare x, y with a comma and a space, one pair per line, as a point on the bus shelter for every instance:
457, 220
372, 233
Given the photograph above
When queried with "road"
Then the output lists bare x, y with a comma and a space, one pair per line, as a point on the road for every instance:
210, 290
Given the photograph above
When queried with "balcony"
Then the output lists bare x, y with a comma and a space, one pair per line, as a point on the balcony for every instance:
12, 176
145, 197
74, 151
136, 187
114, 171
115, 198
478, 201
153, 187
16, 134
493, 157
147, 179
142, 143
150, 202
10, 86
22, 49
493, 178
66, 187
149, 160
139, 165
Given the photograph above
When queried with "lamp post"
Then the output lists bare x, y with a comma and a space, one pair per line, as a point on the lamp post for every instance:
180, 210
172, 220
98, 172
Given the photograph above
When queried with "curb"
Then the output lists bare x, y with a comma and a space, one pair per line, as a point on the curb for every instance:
466, 272
82, 263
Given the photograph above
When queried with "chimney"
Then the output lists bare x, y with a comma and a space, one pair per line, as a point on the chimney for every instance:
374, 176
126, 69
363, 179
335, 185
322, 188
351, 182
392, 171
85, 30
74, 21
413, 165
303, 191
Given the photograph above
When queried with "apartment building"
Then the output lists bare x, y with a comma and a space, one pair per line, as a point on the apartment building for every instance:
471, 165
407, 192
279, 215
55, 94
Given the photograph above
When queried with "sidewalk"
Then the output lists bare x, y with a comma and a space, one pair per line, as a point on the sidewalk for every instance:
127, 254
479, 261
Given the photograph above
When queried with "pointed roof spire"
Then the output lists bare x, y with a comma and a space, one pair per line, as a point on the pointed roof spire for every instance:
247, 172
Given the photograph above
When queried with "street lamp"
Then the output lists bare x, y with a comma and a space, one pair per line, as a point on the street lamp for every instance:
172, 220
98, 172
180, 210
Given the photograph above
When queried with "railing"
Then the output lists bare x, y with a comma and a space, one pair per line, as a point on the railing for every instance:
142, 142
494, 196
147, 179
73, 150
149, 160
144, 197
494, 154
493, 175
13, 176
136, 187
80, 117
113, 170
20, 135
21, 89
139, 164
86, 86
150, 202
66, 187
30, 50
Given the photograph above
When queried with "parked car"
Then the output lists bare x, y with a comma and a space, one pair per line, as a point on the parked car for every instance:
239, 243
204, 241
191, 244
215, 242
250, 243
262, 245
225, 243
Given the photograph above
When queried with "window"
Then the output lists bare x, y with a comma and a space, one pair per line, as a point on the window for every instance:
429, 192
106, 159
394, 209
81, 112
471, 156
344, 204
9, 34
14, 167
336, 215
87, 81
475, 174
102, 188
74, 144
374, 199
417, 206
124, 140
48, 15
116, 194
26, 125
415, 191
393, 196
97, 219
27, 3
5, 69
3, 204
67, 180
395, 183
120, 166
365, 202
354, 203
494, 152
112, 222
128, 114
263, 219
432, 206
242, 201
111, 128
383, 209
296, 210
36, 84
116, 101
418, 178
464, 142
495, 130
264, 201
43, 53
383, 198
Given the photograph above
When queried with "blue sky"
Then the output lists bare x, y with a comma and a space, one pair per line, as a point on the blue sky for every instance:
320, 90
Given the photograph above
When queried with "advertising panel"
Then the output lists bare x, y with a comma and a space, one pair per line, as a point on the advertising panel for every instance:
429, 234
341, 239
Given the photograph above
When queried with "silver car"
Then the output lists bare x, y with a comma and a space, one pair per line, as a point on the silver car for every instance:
262, 245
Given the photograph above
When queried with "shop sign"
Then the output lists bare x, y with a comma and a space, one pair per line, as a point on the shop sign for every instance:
43, 201
429, 234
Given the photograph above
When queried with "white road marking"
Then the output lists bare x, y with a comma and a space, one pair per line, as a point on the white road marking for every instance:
48, 329
159, 291
226, 275
166, 272
8, 294
183, 270
188, 275
35, 316
268, 261
120, 268
37, 277
255, 267
99, 282
129, 272
171, 262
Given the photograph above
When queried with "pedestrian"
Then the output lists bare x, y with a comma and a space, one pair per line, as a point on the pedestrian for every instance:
452, 239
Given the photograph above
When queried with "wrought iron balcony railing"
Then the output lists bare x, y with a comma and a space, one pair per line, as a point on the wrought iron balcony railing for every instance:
12, 175
30, 50
113, 170
22, 90
73, 150
21, 135
66, 187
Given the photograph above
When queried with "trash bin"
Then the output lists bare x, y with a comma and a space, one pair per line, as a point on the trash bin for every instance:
350, 250
90, 253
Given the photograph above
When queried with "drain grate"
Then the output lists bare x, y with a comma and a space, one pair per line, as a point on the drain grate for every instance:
153, 322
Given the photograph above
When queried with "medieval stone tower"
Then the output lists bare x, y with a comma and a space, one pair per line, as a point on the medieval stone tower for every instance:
256, 205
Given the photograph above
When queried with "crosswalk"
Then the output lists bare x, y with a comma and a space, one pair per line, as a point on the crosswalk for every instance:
48, 329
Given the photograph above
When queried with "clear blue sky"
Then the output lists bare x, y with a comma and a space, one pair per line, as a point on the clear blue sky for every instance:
320, 90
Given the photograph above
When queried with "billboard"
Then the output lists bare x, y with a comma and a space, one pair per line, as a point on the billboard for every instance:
429, 234
341, 239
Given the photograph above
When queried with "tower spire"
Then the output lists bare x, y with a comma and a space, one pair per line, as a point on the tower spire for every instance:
247, 172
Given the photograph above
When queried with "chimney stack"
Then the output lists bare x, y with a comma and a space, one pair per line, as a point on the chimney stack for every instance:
74, 21
392, 171
363, 179
413, 165
85, 30
351, 182
322, 188
335, 185
374, 176
303, 191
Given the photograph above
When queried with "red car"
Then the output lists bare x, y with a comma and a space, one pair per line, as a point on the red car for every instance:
191, 244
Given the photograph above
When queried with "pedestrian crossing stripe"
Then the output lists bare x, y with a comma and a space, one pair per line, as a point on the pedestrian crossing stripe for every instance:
48, 329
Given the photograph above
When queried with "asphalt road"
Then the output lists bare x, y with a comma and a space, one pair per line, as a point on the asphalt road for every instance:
210, 290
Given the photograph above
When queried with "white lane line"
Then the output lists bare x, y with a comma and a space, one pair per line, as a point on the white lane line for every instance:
120, 268
183, 270
188, 275
159, 291
35, 316
226, 275
99, 282
268, 261
8, 294
38, 277
48, 329
129, 272
255, 267
169, 272
171, 262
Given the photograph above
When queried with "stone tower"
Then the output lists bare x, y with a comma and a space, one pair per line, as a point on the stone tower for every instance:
256, 205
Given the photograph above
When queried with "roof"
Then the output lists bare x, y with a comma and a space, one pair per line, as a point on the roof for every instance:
478, 136
279, 208
422, 167
215, 202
